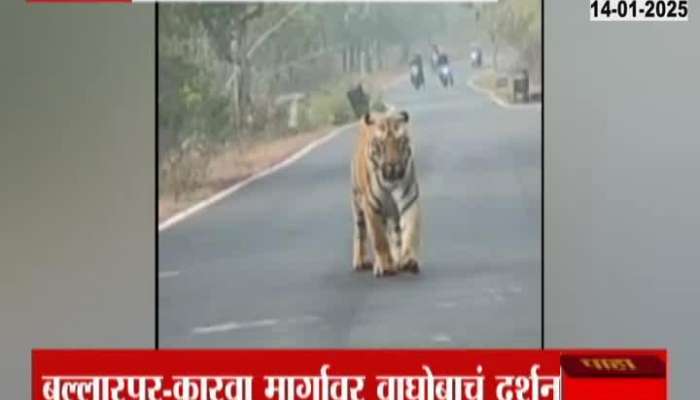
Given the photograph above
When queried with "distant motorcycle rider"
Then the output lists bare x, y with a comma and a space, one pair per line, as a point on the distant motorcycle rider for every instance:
444, 70
416, 67
443, 60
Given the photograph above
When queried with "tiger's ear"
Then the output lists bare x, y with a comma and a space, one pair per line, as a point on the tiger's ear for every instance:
404, 116
368, 119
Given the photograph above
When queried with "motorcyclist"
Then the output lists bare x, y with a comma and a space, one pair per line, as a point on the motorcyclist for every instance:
443, 63
475, 56
417, 64
443, 60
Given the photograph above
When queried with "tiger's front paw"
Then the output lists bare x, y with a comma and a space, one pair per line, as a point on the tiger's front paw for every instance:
363, 266
379, 272
384, 268
411, 265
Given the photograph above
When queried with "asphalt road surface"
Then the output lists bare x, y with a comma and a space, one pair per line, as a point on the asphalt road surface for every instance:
270, 266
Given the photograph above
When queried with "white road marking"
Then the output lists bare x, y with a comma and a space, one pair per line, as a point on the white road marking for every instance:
441, 338
498, 101
270, 170
304, 319
496, 295
446, 304
240, 185
262, 323
233, 326
168, 274
515, 289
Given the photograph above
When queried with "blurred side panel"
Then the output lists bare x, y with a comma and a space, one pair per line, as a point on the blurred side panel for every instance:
77, 169
622, 193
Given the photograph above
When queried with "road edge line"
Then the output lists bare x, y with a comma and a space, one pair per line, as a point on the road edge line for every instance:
180, 216
498, 101
261, 174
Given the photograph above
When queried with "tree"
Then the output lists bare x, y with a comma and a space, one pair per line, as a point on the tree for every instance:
512, 23
220, 62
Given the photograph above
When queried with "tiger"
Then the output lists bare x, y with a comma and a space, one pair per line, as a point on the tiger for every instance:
385, 196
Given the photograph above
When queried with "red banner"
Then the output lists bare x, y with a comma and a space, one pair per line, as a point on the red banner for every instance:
347, 375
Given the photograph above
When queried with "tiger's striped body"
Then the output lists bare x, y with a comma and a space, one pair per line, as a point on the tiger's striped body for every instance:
385, 197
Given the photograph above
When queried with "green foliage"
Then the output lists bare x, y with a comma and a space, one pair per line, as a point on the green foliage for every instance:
224, 69
514, 21
189, 99
406, 24
377, 104
329, 106
221, 66
515, 24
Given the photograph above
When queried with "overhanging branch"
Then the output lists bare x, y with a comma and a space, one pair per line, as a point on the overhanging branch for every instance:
262, 38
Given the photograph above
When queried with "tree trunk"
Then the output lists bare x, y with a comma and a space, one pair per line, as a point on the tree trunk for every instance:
494, 46
344, 55
240, 81
324, 35
363, 62
351, 51
267, 34
495, 56
241, 87
372, 52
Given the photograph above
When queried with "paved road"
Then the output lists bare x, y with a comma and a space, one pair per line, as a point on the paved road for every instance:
270, 266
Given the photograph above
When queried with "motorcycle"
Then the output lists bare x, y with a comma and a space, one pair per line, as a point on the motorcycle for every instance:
475, 57
445, 75
416, 77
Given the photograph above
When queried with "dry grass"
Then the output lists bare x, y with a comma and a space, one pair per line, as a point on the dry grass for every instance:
235, 163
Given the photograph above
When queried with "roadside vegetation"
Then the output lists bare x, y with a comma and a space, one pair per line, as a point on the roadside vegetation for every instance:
242, 86
510, 34
498, 85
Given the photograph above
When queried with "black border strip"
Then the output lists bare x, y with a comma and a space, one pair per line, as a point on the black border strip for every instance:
542, 170
156, 171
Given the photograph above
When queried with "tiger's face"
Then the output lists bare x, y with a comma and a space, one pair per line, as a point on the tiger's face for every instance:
390, 148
